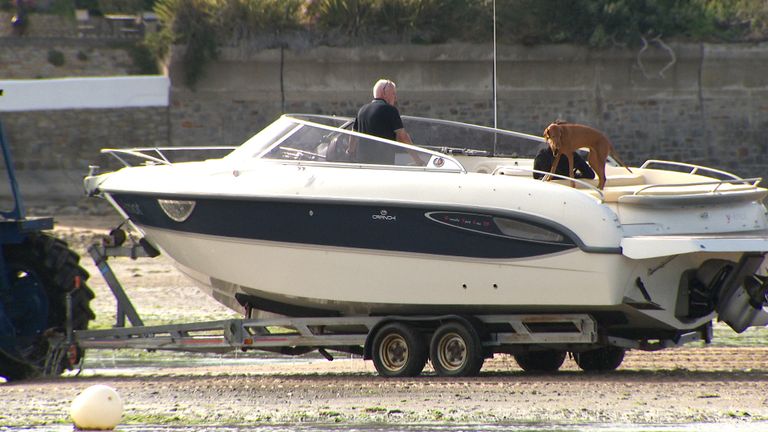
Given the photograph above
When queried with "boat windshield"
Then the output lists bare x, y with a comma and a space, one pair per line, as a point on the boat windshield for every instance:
330, 139
462, 138
300, 137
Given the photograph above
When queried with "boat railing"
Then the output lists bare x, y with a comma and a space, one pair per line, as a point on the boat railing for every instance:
546, 173
692, 169
477, 127
157, 155
753, 182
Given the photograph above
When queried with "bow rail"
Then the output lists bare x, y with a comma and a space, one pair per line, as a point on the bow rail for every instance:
157, 155
693, 169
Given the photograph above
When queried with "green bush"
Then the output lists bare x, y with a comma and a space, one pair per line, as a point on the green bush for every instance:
606, 22
121, 6
348, 17
144, 62
241, 19
56, 57
402, 20
189, 23
741, 19
593, 22
203, 25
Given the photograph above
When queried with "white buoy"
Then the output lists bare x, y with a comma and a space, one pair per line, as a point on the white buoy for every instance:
98, 407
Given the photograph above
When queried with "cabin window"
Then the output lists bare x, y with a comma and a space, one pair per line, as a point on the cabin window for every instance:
303, 145
498, 226
263, 140
523, 230
316, 144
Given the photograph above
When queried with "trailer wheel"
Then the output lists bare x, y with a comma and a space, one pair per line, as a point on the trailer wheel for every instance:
41, 271
600, 360
540, 361
456, 351
399, 351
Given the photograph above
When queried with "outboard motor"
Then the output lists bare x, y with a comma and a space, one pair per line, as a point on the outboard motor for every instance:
740, 295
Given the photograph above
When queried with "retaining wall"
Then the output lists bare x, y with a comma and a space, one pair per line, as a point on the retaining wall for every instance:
700, 103
56, 128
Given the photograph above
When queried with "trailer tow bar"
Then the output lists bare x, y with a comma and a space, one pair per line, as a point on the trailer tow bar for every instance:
100, 252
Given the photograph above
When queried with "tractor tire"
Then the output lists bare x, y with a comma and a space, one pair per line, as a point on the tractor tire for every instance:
41, 271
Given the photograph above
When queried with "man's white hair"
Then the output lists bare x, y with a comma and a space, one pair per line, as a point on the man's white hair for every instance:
380, 86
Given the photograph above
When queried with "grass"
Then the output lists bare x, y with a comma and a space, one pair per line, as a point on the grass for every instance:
752, 337
107, 320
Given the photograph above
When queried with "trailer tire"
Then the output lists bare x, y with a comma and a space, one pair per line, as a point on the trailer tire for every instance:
603, 359
399, 351
540, 361
41, 271
456, 351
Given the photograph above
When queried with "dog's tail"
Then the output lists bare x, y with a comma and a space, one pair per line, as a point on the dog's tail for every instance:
618, 159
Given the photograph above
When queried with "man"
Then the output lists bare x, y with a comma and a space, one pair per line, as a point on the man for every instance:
380, 118
544, 159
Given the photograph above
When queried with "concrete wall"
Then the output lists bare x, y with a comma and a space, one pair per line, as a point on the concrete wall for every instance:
708, 106
52, 149
56, 128
46, 139
84, 93
700, 103
63, 123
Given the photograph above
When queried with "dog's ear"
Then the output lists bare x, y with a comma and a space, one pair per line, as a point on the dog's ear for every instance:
550, 130
555, 132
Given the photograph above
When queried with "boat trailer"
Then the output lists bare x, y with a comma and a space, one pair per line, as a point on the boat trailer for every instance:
300, 335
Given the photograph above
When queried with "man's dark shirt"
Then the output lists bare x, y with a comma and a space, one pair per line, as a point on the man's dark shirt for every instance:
543, 162
380, 119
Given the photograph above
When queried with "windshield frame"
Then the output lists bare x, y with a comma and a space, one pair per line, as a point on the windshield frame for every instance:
295, 122
449, 163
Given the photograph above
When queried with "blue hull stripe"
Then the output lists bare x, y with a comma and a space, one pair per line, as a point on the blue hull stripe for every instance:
401, 228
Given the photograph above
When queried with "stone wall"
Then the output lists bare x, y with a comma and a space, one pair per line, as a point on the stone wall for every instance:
31, 58
699, 103
708, 104
71, 139
52, 150
41, 25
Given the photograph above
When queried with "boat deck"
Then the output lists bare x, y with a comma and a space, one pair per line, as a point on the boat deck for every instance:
646, 184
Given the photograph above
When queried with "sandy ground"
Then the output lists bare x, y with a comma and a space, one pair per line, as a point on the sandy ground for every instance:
725, 385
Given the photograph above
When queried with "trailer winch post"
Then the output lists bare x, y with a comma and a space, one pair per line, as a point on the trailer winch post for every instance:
100, 253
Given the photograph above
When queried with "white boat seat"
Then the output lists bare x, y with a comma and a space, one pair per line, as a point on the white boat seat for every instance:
620, 180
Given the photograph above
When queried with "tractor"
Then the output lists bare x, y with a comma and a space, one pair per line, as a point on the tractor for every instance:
42, 289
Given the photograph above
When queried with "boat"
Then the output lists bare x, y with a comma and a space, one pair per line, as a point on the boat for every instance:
291, 223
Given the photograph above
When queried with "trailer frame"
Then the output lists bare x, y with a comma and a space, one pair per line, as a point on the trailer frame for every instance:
298, 335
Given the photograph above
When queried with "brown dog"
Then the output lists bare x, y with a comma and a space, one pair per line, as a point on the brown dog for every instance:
565, 138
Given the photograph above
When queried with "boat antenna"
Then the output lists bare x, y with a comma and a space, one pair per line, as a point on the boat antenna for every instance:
495, 109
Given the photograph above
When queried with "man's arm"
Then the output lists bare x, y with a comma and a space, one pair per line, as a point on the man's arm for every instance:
401, 135
352, 148
585, 171
542, 162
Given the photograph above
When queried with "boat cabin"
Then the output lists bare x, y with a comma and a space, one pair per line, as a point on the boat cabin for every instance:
443, 145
